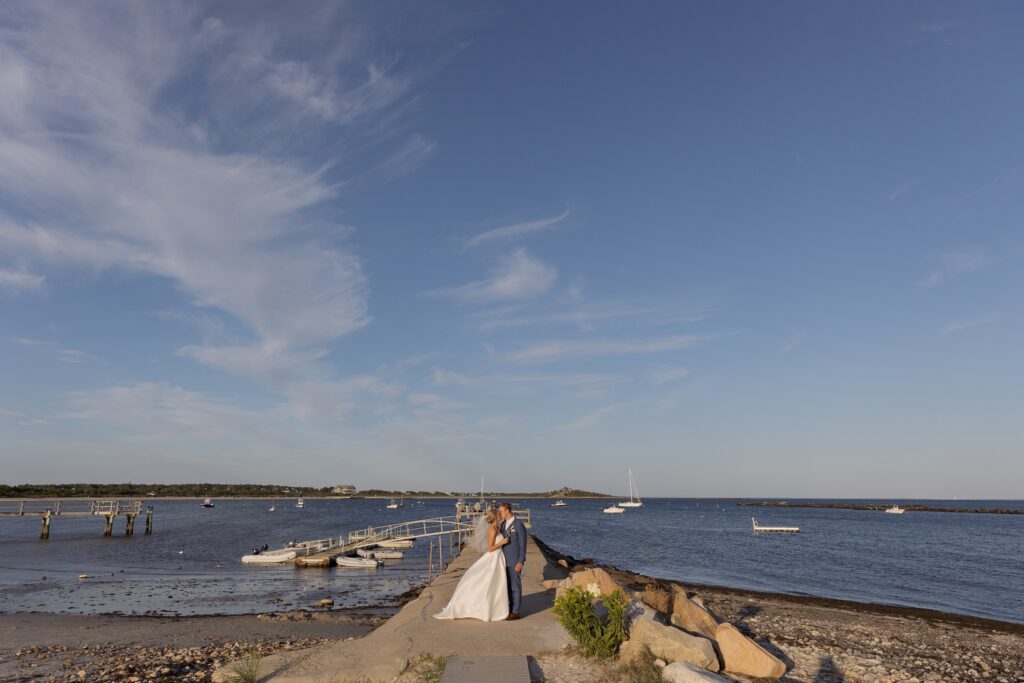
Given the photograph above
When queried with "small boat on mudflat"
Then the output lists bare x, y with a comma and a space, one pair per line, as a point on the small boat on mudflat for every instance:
360, 562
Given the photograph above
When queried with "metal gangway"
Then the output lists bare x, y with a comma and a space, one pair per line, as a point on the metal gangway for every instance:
109, 509
452, 525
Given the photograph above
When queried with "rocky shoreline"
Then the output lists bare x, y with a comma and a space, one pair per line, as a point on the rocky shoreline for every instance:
832, 641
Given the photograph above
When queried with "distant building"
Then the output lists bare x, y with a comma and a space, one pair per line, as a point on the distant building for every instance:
344, 490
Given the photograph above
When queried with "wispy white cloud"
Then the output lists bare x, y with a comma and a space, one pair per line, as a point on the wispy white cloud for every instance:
590, 420
967, 324
666, 375
515, 231
552, 351
934, 27
17, 280
955, 263
517, 276
65, 355
583, 315
101, 171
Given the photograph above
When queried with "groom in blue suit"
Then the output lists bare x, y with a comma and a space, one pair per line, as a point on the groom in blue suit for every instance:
515, 557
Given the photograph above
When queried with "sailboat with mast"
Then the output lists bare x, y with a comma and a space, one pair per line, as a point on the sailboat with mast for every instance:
634, 494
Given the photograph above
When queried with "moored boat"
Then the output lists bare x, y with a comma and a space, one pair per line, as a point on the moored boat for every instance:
207, 503
634, 495
271, 556
613, 510
559, 504
895, 510
400, 544
361, 562
380, 553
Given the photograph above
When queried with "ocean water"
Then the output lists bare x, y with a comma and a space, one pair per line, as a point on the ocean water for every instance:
962, 563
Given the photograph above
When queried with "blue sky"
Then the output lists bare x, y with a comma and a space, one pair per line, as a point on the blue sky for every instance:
746, 249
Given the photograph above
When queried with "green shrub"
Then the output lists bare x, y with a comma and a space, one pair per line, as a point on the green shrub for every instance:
247, 669
596, 637
428, 668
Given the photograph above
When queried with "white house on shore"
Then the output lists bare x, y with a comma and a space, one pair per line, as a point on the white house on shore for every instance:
344, 490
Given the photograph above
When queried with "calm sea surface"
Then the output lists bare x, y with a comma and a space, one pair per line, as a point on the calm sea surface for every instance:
964, 563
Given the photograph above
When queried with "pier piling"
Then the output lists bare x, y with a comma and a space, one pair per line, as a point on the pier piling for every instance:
149, 520
129, 525
45, 532
108, 526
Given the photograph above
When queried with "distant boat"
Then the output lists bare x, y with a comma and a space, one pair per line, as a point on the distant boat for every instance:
634, 495
401, 502
895, 510
273, 505
300, 503
559, 504
207, 503
758, 529
392, 505
613, 510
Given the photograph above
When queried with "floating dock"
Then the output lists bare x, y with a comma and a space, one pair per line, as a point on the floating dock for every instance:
758, 529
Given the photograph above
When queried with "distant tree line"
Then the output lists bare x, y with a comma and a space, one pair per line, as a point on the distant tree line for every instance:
130, 490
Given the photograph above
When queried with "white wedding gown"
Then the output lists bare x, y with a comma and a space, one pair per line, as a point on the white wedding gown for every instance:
482, 592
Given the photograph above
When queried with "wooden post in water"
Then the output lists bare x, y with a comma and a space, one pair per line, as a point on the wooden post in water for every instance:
129, 525
108, 527
149, 520
45, 532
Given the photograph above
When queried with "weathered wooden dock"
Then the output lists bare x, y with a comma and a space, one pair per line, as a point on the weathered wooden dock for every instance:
109, 509
463, 522
758, 529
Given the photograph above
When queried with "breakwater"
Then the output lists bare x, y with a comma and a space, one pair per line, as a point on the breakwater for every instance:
879, 507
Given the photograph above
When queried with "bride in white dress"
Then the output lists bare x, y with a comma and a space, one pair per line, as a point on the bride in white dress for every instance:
482, 592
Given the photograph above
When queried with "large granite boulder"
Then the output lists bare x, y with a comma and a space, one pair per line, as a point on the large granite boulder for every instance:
684, 672
690, 616
596, 580
743, 656
670, 644
658, 598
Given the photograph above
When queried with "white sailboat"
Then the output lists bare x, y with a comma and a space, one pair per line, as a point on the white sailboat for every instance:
613, 510
300, 503
634, 495
273, 505
392, 505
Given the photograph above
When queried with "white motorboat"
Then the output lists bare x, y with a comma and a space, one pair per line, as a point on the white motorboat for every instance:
392, 505
613, 510
895, 510
380, 554
300, 503
559, 504
400, 544
207, 503
362, 562
271, 556
634, 495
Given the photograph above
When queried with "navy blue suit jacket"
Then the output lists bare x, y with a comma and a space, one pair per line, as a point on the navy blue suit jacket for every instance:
515, 550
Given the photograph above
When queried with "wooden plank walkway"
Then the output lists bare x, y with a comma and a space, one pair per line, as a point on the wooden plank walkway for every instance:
500, 669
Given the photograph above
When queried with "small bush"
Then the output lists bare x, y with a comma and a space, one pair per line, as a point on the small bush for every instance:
640, 670
247, 669
429, 668
598, 638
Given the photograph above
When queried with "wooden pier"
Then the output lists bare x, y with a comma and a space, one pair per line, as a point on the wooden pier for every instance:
109, 509
463, 522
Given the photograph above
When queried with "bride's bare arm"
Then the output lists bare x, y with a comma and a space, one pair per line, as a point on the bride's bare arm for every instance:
492, 536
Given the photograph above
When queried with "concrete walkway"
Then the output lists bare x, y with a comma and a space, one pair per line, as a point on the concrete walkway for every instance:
381, 655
